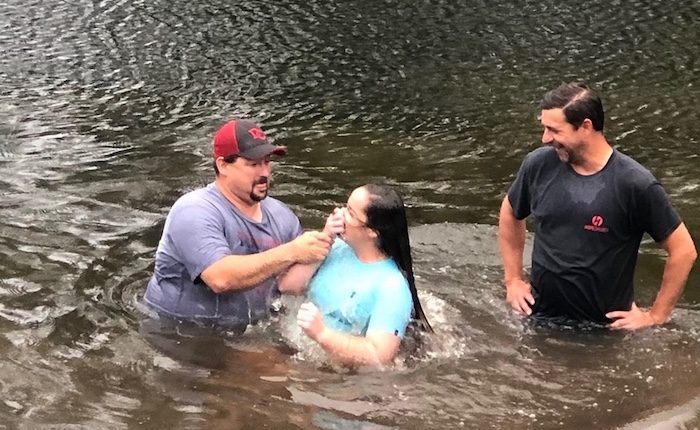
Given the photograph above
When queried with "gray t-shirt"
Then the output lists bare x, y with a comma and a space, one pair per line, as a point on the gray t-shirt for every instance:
201, 228
587, 231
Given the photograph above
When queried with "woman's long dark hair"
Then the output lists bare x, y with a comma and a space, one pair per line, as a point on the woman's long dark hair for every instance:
386, 214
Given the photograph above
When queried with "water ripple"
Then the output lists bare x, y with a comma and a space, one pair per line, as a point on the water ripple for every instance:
106, 118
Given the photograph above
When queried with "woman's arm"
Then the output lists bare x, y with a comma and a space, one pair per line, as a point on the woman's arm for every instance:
376, 348
296, 278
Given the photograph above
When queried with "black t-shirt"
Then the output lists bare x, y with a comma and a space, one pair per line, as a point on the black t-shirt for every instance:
587, 231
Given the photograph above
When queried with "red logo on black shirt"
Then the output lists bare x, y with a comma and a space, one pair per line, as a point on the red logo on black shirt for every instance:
596, 225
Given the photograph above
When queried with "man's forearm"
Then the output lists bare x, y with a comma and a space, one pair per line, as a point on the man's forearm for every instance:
681, 256
676, 272
240, 272
511, 242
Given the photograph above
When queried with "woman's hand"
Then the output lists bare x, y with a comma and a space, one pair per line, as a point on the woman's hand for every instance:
309, 319
335, 223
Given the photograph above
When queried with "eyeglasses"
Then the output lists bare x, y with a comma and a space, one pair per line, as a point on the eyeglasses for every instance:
351, 213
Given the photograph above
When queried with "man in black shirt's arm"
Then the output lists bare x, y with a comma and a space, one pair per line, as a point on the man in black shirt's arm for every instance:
591, 206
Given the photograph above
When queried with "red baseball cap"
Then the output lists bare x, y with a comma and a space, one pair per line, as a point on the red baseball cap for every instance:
244, 138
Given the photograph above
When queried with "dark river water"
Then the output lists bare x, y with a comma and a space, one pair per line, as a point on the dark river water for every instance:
107, 109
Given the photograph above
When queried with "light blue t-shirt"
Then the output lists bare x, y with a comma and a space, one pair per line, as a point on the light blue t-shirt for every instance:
355, 297
201, 228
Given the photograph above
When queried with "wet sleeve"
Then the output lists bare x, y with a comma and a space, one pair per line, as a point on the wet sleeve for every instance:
657, 216
198, 237
519, 192
296, 230
392, 309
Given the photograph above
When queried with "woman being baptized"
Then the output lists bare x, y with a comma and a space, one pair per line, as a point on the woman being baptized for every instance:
363, 295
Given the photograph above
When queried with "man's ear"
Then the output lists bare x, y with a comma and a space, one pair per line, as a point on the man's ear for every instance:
220, 163
587, 125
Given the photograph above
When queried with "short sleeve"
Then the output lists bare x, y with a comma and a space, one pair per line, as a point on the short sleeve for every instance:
519, 192
657, 215
297, 230
198, 238
392, 308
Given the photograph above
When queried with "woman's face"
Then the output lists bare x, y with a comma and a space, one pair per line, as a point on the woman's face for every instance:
355, 214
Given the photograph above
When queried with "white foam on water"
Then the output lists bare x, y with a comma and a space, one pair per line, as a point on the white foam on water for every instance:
674, 418
307, 349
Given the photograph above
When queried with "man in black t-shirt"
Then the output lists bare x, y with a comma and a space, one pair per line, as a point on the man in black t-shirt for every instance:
591, 205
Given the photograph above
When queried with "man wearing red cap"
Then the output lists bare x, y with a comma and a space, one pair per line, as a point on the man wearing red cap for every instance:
224, 245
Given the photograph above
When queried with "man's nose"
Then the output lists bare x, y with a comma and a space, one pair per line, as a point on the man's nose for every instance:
546, 137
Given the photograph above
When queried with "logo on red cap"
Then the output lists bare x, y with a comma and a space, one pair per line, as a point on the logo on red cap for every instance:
257, 134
